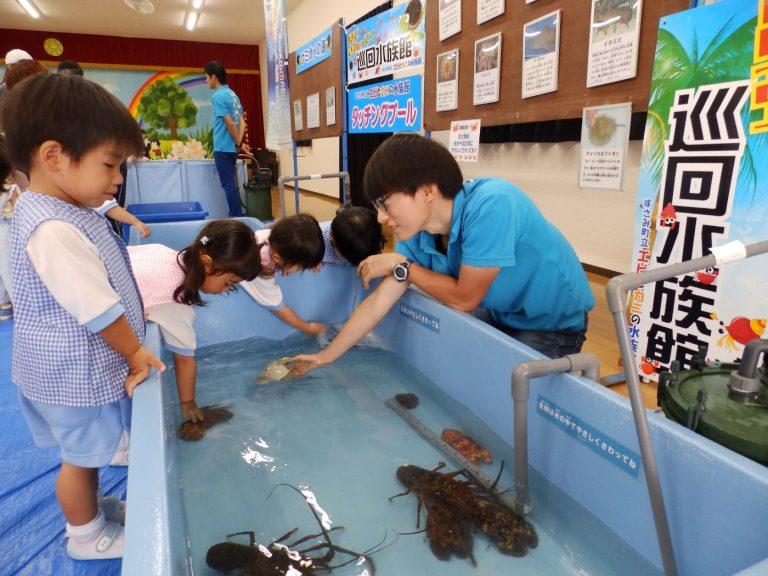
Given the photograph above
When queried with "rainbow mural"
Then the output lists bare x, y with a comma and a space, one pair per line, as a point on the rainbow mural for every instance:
186, 80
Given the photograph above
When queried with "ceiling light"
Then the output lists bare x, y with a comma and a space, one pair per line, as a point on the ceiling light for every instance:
197, 4
191, 20
29, 8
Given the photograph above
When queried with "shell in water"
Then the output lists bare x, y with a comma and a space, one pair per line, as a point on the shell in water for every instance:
275, 371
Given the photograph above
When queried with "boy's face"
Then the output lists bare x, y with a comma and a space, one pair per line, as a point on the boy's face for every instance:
91, 181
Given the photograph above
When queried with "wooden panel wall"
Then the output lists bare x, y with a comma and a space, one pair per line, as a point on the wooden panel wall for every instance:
572, 94
318, 78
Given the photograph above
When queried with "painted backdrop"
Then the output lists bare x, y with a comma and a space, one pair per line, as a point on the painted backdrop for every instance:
703, 183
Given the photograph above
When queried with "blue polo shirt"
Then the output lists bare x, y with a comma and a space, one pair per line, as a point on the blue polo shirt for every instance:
540, 285
225, 103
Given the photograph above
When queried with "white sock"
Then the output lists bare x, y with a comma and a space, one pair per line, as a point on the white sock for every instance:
87, 532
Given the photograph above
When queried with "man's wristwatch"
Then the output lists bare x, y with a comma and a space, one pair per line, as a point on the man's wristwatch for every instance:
401, 270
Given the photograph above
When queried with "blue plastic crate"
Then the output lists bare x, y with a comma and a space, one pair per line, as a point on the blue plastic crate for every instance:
165, 212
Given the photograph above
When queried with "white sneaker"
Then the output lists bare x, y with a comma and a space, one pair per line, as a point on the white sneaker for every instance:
106, 546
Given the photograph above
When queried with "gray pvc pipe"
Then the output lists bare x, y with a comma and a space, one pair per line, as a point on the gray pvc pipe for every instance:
585, 362
751, 357
283, 179
617, 292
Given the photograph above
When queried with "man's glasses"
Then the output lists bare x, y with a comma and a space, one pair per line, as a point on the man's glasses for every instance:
380, 203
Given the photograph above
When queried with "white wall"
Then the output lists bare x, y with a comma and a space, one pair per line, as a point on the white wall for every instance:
598, 224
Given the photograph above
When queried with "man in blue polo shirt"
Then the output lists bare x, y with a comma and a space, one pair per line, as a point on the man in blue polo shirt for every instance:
228, 132
481, 243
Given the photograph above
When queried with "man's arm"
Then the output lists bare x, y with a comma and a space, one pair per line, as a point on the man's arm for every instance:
464, 293
364, 319
233, 130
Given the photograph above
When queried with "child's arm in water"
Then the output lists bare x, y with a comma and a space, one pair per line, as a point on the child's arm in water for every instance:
122, 215
120, 336
287, 315
186, 375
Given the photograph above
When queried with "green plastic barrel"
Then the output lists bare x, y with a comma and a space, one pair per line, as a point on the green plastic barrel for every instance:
258, 195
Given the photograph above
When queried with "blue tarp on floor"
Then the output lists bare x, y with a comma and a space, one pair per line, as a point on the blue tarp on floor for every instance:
32, 541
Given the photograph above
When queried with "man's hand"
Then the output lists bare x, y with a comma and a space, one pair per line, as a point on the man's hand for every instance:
377, 266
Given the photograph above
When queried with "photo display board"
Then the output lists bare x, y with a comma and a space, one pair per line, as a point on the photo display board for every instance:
572, 94
321, 84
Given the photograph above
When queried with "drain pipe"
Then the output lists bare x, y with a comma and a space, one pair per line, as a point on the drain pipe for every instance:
586, 363
617, 293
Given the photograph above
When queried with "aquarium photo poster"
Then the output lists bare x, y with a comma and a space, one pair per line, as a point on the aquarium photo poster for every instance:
703, 184
485, 83
447, 93
541, 55
604, 141
614, 37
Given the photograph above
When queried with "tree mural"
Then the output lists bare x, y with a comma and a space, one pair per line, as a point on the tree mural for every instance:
166, 105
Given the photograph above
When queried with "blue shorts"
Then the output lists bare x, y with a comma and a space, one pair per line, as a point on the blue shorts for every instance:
87, 436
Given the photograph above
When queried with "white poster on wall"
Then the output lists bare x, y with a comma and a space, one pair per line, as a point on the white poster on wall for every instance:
489, 9
449, 18
487, 70
541, 55
464, 140
313, 110
447, 93
614, 37
298, 121
330, 106
604, 141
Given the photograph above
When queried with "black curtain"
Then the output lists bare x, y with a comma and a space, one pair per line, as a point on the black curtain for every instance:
360, 147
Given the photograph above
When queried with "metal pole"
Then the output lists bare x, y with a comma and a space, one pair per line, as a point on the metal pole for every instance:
522, 374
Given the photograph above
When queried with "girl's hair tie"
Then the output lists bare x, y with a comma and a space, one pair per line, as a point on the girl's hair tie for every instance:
204, 240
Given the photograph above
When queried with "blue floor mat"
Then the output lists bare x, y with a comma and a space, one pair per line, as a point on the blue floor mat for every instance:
32, 538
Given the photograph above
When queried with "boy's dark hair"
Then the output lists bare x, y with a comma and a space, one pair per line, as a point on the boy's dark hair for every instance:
22, 70
215, 68
5, 165
356, 233
405, 162
298, 240
69, 67
232, 248
70, 110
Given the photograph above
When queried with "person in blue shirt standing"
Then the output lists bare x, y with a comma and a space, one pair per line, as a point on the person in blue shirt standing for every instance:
228, 132
481, 243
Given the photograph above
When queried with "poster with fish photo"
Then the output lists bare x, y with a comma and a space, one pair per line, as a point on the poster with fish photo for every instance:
614, 37
447, 93
703, 183
604, 141
485, 84
541, 55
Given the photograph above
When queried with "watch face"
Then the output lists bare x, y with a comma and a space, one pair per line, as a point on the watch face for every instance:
400, 272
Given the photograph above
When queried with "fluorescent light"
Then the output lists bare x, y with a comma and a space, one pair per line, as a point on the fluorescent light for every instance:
191, 20
29, 8
197, 4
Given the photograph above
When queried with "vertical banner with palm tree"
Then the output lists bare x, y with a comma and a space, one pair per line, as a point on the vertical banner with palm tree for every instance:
703, 184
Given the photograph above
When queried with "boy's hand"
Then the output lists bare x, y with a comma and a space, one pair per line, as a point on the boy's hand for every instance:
143, 229
140, 363
190, 411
